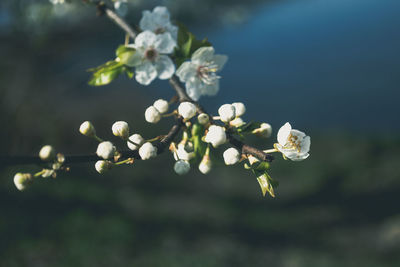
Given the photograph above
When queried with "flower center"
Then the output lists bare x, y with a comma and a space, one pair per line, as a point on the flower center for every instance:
150, 54
160, 30
293, 142
207, 73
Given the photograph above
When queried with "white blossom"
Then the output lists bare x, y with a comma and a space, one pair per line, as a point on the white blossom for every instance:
161, 105
182, 167
227, 112
87, 129
47, 153
55, 2
137, 139
152, 115
231, 156
293, 144
158, 22
240, 108
203, 118
264, 131
199, 74
102, 166
205, 165
105, 150
187, 110
21, 180
216, 135
147, 151
237, 122
150, 59
120, 129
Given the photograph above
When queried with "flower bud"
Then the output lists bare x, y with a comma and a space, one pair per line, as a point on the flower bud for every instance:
182, 167
227, 112
47, 153
137, 139
237, 122
240, 108
187, 110
203, 118
264, 131
105, 150
102, 166
152, 115
121, 129
147, 151
161, 105
205, 164
87, 129
21, 180
231, 156
216, 135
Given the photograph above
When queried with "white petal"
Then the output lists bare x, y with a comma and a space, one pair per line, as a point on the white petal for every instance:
165, 67
164, 43
220, 60
186, 71
305, 145
283, 133
210, 89
193, 88
203, 54
145, 39
135, 59
173, 30
147, 23
161, 15
145, 73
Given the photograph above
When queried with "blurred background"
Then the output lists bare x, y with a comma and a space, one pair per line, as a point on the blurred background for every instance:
330, 67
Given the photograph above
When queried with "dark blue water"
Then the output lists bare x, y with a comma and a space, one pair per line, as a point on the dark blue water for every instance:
316, 63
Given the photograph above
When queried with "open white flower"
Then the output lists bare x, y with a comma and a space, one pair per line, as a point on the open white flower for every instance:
199, 74
216, 135
293, 143
158, 21
150, 59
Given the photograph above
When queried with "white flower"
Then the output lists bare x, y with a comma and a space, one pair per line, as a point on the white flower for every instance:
147, 151
182, 167
150, 59
231, 156
161, 105
137, 139
199, 74
293, 144
183, 153
21, 180
158, 22
121, 6
227, 112
216, 135
87, 129
47, 153
105, 150
152, 115
240, 108
203, 118
55, 2
264, 131
102, 166
121, 129
187, 110
205, 165
237, 122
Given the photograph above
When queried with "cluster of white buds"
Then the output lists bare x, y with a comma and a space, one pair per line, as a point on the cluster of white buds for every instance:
216, 135
230, 113
154, 112
187, 110
121, 129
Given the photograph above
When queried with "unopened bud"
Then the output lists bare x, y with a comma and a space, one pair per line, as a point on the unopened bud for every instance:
121, 129
216, 135
137, 139
187, 110
152, 115
147, 151
105, 150
161, 105
47, 153
264, 131
182, 167
205, 165
237, 122
240, 108
102, 166
231, 156
21, 180
87, 129
203, 118
227, 112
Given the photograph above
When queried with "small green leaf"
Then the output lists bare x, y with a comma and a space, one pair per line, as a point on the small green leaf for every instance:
105, 73
261, 166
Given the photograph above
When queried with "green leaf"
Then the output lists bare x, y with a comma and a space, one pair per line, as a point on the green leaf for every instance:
105, 73
124, 54
261, 166
129, 72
